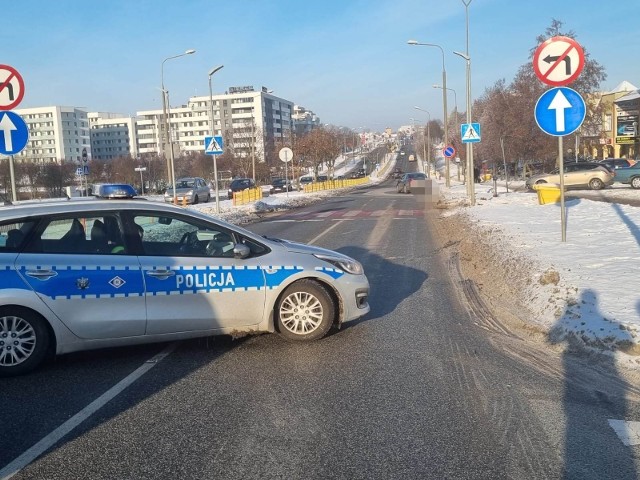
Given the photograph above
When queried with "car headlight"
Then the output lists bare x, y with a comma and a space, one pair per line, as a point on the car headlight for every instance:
348, 265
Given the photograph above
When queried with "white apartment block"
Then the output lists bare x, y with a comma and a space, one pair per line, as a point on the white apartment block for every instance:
304, 120
112, 135
238, 116
251, 122
56, 134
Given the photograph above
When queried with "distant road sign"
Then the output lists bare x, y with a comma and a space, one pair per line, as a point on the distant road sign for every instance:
470, 132
285, 154
11, 87
558, 61
14, 133
449, 151
560, 111
213, 145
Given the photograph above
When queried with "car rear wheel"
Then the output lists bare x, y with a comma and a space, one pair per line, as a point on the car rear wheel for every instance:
305, 311
596, 184
24, 341
635, 182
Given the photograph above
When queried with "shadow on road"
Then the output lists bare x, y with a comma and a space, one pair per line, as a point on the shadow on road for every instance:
390, 282
592, 396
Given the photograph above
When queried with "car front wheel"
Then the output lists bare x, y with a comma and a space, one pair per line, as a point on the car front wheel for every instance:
596, 184
305, 311
635, 182
24, 341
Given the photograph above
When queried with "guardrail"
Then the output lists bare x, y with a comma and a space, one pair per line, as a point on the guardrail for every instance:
246, 196
333, 184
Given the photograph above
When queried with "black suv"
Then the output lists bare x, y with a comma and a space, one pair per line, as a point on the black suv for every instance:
240, 184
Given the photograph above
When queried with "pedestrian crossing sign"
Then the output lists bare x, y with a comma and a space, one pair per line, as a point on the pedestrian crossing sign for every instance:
470, 132
213, 145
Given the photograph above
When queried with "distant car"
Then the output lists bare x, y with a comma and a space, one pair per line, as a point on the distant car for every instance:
404, 184
360, 173
629, 175
615, 163
238, 185
304, 181
189, 190
412, 158
401, 152
322, 178
280, 185
397, 173
591, 175
115, 191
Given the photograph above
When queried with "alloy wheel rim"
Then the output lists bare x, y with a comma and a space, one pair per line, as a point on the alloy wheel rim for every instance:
17, 340
301, 313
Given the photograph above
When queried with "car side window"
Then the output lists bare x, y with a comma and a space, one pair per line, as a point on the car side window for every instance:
173, 236
79, 234
13, 235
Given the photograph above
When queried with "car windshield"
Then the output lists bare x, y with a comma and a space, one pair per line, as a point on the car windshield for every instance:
185, 184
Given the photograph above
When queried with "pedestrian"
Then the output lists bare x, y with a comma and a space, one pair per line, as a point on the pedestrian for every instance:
476, 174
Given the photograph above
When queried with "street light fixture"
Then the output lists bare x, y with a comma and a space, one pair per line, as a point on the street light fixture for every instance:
471, 189
444, 103
167, 127
428, 151
213, 132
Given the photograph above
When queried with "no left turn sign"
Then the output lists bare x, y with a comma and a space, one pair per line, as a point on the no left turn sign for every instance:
11, 87
558, 61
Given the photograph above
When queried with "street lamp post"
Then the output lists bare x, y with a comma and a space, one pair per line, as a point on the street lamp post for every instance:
444, 103
428, 142
471, 189
213, 132
467, 57
455, 110
167, 127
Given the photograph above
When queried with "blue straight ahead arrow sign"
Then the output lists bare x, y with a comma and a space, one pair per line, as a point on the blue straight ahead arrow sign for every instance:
560, 111
14, 133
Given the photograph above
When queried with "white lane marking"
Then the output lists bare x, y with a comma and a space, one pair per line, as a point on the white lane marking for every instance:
628, 432
319, 236
48, 441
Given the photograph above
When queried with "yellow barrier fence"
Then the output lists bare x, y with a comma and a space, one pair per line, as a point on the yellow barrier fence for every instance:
246, 196
333, 184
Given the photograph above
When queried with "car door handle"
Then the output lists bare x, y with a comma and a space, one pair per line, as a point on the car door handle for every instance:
161, 274
41, 274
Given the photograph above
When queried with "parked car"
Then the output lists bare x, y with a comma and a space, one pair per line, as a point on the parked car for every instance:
280, 185
615, 163
591, 175
322, 178
238, 185
404, 184
80, 275
114, 190
629, 175
189, 190
304, 181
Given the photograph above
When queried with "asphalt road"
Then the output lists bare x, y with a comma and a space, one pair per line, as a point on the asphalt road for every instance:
428, 385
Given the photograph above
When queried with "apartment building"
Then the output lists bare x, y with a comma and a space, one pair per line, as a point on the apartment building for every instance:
112, 135
56, 134
251, 123
304, 120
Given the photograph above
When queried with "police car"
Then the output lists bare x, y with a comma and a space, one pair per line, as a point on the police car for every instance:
79, 275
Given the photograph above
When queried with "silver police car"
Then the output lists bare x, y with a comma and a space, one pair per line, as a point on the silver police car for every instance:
89, 274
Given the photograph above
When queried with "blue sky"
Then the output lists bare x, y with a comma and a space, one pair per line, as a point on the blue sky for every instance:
347, 60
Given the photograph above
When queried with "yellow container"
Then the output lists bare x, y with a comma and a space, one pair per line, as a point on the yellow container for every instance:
547, 193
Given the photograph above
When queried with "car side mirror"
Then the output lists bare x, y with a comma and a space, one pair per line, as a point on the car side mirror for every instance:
240, 250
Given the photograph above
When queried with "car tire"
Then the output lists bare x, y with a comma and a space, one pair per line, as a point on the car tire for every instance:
195, 199
305, 311
635, 182
596, 184
24, 341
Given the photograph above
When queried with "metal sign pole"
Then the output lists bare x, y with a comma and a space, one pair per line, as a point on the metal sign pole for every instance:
13, 179
215, 179
563, 219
